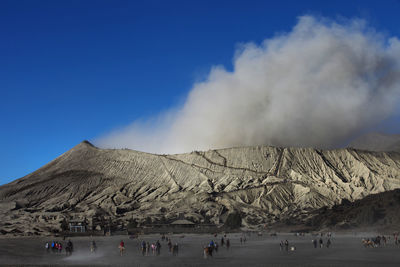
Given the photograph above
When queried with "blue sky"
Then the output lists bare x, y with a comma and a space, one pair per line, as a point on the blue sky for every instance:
75, 70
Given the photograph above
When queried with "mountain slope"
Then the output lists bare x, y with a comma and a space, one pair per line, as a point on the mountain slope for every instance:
377, 212
264, 184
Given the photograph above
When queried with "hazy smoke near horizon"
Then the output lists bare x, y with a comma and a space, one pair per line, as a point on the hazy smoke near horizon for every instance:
316, 86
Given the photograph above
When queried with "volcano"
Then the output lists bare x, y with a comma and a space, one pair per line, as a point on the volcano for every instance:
265, 185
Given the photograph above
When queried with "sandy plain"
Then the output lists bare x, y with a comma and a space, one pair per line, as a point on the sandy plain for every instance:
346, 250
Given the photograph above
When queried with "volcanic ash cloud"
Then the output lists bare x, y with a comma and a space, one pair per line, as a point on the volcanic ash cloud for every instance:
316, 86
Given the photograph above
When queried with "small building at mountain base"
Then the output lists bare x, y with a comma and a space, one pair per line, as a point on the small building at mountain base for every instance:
77, 226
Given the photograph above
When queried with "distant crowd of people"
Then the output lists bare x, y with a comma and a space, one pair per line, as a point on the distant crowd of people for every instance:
380, 240
154, 248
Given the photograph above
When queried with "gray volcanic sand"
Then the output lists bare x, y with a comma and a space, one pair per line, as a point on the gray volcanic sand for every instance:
346, 250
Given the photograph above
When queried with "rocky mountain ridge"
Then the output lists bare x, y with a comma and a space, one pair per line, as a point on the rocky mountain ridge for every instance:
264, 184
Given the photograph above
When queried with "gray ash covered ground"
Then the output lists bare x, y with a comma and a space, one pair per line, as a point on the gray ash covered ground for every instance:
346, 250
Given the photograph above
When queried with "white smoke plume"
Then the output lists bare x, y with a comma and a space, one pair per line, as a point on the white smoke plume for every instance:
317, 85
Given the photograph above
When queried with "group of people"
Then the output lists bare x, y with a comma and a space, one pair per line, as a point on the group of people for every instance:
57, 247
154, 247
208, 250
226, 243
213, 246
317, 242
284, 245
321, 242
380, 240
54, 246
173, 248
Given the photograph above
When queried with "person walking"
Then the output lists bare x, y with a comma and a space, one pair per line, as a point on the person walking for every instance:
210, 250
205, 252
328, 243
169, 244
158, 247
53, 246
71, 246
175, 249
93, 247
68, 248
121, 248
143, 246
